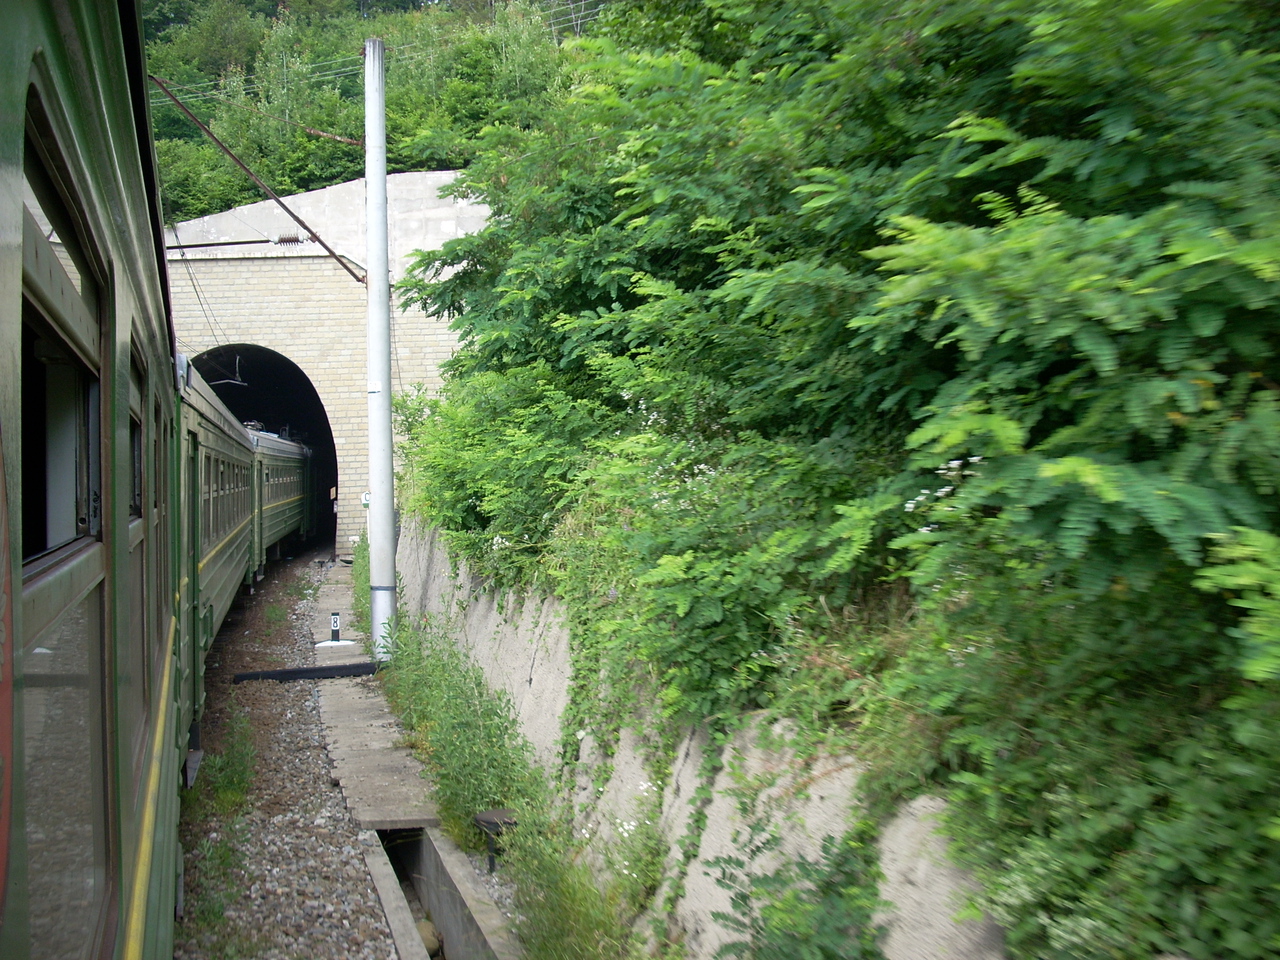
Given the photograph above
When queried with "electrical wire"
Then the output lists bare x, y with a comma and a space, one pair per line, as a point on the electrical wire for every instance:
210, 318
302, 75
245, 106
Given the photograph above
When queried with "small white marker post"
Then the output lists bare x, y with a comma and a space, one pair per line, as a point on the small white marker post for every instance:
335, 623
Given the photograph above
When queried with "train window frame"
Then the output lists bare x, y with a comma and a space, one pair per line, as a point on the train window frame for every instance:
206, 500
50, 181
66, 318
135, 457
49, 352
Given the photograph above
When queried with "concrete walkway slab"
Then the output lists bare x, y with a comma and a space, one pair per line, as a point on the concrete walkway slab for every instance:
380, 778
382, 781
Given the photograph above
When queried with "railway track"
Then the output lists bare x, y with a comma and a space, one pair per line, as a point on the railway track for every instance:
298, 885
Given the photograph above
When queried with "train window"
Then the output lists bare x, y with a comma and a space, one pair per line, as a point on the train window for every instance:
60, 475
135, 450
137, 386
43, 201
207, 499
217, 499
160, 444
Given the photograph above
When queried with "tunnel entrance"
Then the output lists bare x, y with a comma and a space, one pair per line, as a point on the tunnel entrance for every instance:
259, 384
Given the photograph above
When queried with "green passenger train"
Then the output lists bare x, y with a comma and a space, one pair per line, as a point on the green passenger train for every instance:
133, 505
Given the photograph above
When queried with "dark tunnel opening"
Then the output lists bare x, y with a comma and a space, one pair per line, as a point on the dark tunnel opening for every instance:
259, 384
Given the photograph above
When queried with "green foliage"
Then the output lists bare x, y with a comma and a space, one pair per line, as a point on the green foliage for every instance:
502, 511
466, 734
361, 595
449, 76
1249, 563
213, 886
637, 854
210, 37
212, 829
222, 789
564, 913
782, 301
200, 179
477, 760
805, 910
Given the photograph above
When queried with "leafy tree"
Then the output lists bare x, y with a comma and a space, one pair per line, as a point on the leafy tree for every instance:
200, 179
220, 35
795, 299
160, 15
448, 78
320, 9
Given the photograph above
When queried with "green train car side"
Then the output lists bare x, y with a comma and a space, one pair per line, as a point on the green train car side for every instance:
131, 511
234, 512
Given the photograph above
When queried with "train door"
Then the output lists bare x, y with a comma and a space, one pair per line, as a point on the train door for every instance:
199, 481
66, 759
191, 578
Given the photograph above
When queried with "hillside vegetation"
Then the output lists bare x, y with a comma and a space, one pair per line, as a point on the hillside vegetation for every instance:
260, 75
908, 369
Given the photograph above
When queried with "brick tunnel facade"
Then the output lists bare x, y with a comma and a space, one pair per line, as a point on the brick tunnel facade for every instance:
242, 277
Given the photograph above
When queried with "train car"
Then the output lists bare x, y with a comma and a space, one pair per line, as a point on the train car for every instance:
284, 482
130, 512
217, 501
88, 742
243, 492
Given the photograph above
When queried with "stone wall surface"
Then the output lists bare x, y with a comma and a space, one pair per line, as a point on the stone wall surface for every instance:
246, 276
523, 648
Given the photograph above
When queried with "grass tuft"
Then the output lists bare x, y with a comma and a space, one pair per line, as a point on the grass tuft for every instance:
468, 736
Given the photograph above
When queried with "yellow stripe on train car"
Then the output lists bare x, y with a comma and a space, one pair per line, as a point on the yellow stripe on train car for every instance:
281, 503
136, 921
225, 540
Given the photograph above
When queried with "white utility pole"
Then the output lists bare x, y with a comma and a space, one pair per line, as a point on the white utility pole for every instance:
382, 543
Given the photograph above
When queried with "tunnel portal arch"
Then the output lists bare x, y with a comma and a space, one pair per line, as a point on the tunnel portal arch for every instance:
260, 384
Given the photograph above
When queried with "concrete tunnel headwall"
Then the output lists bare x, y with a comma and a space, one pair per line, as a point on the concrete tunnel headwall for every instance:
257, 383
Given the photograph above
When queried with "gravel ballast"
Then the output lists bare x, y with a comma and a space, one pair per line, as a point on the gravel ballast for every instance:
298, 886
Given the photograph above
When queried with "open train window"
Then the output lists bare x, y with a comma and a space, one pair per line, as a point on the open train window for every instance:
44, 189
61, 482
61, 488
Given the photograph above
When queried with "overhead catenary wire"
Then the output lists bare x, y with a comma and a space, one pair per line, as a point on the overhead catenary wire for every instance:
302, 74
205, 308
256, 179
252, 109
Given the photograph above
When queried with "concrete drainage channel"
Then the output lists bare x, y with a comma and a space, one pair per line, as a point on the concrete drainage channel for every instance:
434, 879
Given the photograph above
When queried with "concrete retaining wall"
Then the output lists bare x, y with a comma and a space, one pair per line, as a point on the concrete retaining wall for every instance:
523, 647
